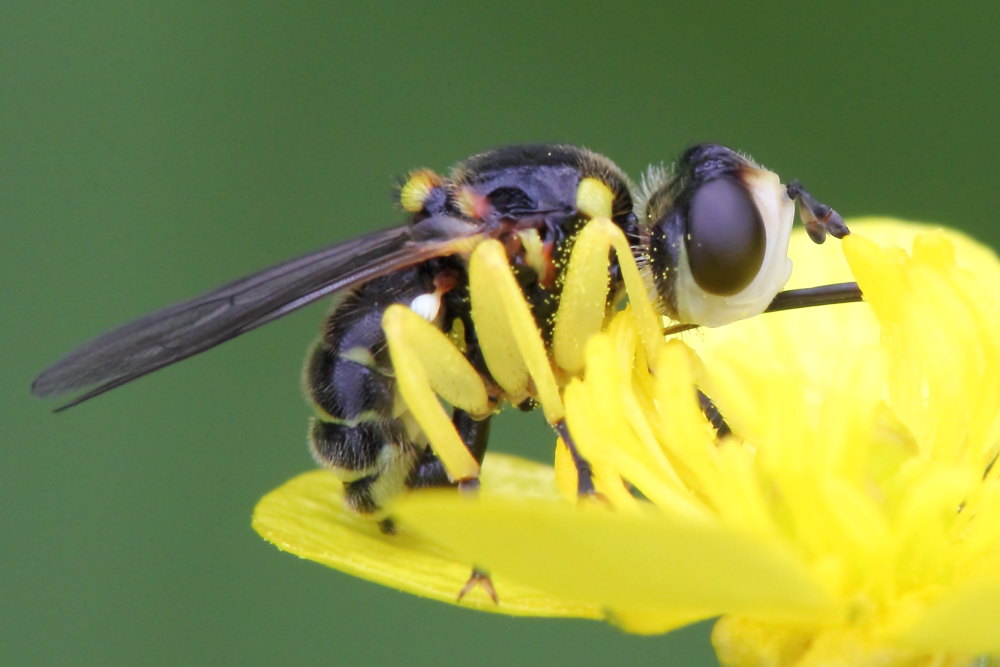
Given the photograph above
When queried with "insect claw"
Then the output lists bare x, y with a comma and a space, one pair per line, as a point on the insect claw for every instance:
469, 486
593, 498
479, 578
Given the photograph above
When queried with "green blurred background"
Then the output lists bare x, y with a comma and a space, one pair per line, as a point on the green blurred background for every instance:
152, 150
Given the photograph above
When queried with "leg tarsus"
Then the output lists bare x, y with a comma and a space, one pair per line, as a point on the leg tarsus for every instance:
585, 474
475, 433
711, 412
387, 526
428, 471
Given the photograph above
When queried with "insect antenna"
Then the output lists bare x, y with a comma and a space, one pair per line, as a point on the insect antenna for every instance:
806, 297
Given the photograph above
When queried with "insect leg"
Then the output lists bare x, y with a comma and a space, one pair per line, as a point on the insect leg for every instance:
407, 337
594, 199
583, 307
712, 414
584, 473
430, 471
428, 365
502, 315
509, 338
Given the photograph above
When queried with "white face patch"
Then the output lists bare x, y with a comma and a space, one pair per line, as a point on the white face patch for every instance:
777, 211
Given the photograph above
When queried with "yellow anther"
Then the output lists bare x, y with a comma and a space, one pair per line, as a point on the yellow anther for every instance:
417, 188
594, 198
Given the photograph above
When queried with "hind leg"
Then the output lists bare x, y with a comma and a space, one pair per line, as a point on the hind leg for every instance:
427, 365
429, 471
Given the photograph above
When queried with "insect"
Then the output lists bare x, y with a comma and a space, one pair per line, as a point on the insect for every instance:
485, 296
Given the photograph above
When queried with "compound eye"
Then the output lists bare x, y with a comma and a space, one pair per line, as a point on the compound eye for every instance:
725, 237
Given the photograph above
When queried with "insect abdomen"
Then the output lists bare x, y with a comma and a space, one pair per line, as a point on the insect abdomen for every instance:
348, 377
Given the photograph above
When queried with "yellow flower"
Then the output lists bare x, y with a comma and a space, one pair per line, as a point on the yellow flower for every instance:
852, 518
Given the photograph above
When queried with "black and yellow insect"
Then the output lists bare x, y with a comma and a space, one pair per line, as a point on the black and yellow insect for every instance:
486, 296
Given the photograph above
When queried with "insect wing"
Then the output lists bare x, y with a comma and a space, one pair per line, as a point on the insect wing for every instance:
185, 329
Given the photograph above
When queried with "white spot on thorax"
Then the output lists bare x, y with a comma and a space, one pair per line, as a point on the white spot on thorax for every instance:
427, 305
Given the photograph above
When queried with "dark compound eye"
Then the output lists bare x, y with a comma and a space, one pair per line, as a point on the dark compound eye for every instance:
725, 239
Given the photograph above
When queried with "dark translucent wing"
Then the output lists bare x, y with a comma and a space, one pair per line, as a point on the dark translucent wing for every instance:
185, 329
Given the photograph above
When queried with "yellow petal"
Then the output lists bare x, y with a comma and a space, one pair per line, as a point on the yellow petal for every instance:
653, 623
967, 619
816, 265
639, 562
740, 642
745, 642
306, 516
